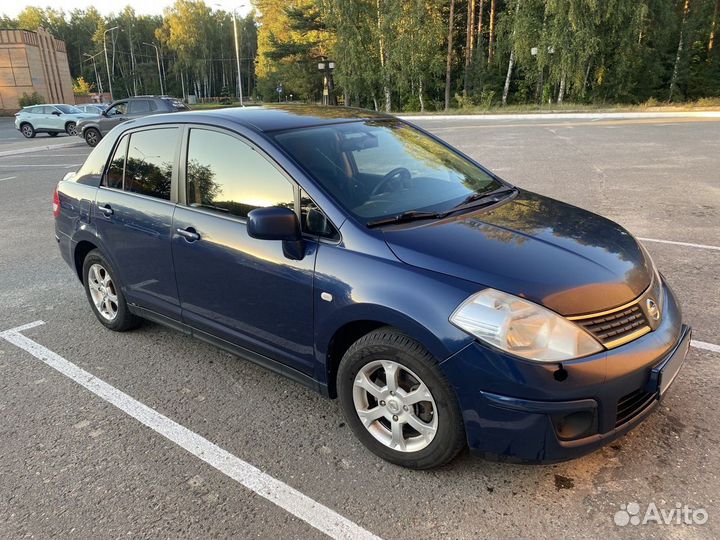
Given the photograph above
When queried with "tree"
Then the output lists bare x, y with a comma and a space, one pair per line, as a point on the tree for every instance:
449, 55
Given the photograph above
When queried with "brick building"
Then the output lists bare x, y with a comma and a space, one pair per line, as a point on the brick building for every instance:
33, 62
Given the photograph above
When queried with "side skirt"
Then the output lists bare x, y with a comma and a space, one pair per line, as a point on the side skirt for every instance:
261, 360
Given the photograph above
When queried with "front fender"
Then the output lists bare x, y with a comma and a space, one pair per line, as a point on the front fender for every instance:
384, 290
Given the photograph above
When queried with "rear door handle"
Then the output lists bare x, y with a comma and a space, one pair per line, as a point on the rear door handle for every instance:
106, 209
189, 234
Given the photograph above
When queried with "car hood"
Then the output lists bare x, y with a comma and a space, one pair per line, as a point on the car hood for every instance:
568, 259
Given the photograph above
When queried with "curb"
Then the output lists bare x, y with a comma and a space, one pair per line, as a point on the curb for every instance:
38, 149
559, 116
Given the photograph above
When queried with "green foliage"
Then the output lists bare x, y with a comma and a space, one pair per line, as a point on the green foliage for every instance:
391, 54
32, 99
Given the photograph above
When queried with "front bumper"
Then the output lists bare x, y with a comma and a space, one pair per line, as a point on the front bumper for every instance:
525, 411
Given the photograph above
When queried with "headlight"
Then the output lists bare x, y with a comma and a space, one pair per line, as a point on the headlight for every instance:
522, 328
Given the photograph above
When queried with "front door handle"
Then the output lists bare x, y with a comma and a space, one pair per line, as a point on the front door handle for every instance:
189, 234
106, 209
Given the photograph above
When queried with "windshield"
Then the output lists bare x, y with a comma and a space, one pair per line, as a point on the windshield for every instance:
68, 109
379, 168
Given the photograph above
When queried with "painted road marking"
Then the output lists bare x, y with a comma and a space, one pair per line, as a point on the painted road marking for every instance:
42, 165
301, 506
641, 121
688, 244
8, 178
707, 346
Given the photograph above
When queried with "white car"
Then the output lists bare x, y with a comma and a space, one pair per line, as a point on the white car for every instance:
49, 118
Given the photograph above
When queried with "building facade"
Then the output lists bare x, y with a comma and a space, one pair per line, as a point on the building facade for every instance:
33, 62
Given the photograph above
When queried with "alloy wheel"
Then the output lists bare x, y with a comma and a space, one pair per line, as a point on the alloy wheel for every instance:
27, 130
395, 406
71, 128
102, 291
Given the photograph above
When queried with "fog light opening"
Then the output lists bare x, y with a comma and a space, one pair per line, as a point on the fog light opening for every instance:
575, 425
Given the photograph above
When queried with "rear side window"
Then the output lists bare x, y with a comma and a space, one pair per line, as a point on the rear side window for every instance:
139, 106
116, 168
150, 162
228, 176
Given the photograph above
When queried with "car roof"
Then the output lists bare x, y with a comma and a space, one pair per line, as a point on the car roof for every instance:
272, 117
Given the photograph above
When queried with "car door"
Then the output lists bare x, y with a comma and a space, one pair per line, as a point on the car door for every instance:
54, 118
133, 215
238, 288
115, 115
43, 119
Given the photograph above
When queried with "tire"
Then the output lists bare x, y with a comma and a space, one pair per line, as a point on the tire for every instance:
71, 128
100, 282
27, 130
393, 412
53, 133
92, 136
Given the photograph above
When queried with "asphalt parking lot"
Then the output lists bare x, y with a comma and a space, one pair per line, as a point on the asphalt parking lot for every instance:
74, 466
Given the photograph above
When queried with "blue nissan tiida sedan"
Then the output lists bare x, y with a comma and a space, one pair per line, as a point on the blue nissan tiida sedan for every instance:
371, 261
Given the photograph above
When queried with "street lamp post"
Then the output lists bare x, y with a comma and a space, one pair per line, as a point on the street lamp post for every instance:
107, 65
98, 82
326, 67
157, 55
237, 59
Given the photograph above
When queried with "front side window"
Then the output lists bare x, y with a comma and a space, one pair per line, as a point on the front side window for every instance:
150, 162
228, 176
120, 108
378, 168
68, 109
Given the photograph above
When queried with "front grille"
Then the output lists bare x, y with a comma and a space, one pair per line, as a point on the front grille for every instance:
611, 327
632, 404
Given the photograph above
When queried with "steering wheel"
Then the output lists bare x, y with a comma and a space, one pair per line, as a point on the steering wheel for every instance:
401, 172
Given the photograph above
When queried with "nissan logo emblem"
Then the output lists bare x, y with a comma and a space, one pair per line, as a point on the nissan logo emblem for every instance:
653, 309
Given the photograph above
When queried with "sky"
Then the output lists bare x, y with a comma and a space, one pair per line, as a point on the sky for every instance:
105, 7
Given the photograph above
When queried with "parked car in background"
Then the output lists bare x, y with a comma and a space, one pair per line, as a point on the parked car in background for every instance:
51, 118
94, 129
93, 108
375, 263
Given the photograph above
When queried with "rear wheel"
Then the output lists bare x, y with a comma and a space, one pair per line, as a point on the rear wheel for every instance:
105, 295
71, 128
27, 130
398, 402
92, 136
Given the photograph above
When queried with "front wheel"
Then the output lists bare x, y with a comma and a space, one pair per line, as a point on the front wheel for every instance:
105, 295
92, 136
398, 402
71, 128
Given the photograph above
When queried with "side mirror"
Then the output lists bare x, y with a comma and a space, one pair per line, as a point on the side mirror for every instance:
56, 113
104, 113
277, 223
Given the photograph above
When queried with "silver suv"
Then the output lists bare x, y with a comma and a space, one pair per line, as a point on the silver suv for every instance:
94, 129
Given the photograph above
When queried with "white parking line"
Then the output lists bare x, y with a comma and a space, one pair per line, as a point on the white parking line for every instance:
688, 244
301, 506
703, 345
8, 178
42, 165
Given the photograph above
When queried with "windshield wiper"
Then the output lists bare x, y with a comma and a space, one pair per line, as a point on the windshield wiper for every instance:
410, 215
488, 197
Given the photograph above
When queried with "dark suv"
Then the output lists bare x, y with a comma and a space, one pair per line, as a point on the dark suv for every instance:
368, 259
94, 129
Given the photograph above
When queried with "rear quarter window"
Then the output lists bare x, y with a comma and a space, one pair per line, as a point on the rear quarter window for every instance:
92, 170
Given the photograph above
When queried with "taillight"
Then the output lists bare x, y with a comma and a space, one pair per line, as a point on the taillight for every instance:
56, 203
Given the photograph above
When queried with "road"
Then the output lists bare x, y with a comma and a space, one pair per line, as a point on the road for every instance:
74, 466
